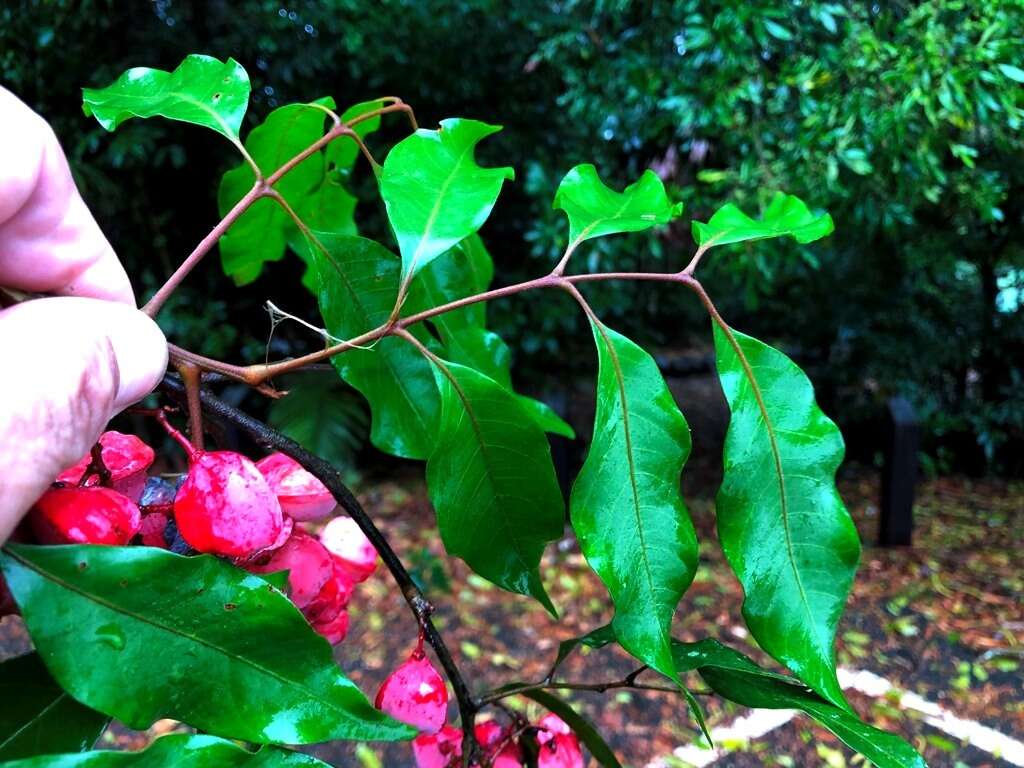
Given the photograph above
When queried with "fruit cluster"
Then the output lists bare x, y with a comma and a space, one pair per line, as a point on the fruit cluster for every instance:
225, 505
415, 693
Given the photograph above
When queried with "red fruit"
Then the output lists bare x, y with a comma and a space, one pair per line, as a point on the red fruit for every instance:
309, 566
333, 597
415, 694
79, 515
152, 530
127, 458
492, 737
440, 750
344, 539
335, 629
302, 496
225, 506
559, 747
7, 604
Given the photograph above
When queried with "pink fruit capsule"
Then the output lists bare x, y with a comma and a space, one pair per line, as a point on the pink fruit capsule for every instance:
80, 515
501, 752
343, 538
309, 566
127, 458
152, 530
301, 495
333, 597
559, 747
415, 694
438, 750
225, 506
333, 631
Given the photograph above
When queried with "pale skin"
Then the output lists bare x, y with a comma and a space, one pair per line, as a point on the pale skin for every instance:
72, 360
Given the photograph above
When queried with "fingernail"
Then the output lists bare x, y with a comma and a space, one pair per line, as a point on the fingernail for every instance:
141, 351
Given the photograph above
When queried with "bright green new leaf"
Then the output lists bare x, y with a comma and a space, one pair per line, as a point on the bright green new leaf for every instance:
190, 638
492, 482
262, 233
1014, 73
435, 192
358, 281
595, 210
202, 90
328, 208
735, 677
785, 215
179, 750
37, 716
781, 522
626, 506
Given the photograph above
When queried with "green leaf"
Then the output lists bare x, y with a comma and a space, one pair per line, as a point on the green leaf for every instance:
735, 677
190, 638
37, 716
435, 192
261, 234
785, 215
782, 525
1014, 73
358, 286
467, 270
328, 208
323, 416
626, 506
580, 725
179, 751
202, 90
596, 638
595, 210
492, 482
342, 152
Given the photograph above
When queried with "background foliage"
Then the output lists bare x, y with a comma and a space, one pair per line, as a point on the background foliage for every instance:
901, 119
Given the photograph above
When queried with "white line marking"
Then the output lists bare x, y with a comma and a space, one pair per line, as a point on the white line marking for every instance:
759, 722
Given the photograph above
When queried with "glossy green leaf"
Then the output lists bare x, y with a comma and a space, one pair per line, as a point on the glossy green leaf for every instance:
342, 152
37, 716
626, 506
785, 215
596, 638
202, 90
179, 751
735, 677
261, 234
190, 638
435, 192
595, 210
580, 725
492, 482
358, 287
328, 208
782, 525
467, 270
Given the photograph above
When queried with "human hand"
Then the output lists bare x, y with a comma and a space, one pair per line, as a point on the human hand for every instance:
71, 362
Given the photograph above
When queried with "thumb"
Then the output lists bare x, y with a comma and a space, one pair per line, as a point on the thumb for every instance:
67, 365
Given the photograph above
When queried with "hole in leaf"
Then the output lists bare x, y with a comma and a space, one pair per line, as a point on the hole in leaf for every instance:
229, 606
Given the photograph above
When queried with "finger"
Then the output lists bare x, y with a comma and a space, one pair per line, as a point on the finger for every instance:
69, 365
49, 241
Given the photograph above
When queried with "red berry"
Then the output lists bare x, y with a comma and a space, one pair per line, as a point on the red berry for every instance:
501, 752
415, 694
335, 629
344, 539
302, 496
438, 750
309, 566
127, 458
333, 597
225, 506
152, 530
79, 515
559, 747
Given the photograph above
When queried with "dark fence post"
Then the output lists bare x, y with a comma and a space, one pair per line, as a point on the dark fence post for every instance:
899, 474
